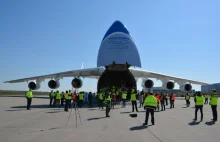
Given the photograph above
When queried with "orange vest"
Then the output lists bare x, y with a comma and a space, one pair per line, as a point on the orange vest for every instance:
172, 97
158, 98
73, 96
113, 97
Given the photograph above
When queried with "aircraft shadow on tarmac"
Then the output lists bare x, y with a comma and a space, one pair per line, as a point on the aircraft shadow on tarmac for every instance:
54, 111
139, 127
125, 112
210, 123
95, 118
15, 110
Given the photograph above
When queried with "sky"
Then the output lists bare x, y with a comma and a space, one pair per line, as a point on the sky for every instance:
39, 37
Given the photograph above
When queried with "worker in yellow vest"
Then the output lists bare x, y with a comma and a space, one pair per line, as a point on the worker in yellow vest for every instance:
150, 103
100, 98
81, 99
51, 97
214, 103
124, 97
67, 100
206, 98
108, 103
29, 96
58, 98
187, 98
199, 101
134, 100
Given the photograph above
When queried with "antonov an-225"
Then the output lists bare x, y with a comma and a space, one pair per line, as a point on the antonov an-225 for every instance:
117, 56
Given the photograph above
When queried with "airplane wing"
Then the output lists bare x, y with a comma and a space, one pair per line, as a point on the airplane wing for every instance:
139, 73
88, 73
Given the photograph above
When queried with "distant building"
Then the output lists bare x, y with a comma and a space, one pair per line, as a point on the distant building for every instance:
175, 91
208, 88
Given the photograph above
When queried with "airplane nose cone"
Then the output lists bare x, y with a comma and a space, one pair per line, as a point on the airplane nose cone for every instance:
117, 26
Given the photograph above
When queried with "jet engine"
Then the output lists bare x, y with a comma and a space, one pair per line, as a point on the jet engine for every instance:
54, 84
147, 83
33, 86
186, 87
77, 83
168, 85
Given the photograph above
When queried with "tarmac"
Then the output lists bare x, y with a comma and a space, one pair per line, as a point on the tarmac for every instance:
45, 124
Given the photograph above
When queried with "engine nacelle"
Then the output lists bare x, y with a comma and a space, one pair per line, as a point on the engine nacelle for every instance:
33, 86
54, 84
186, 87
168, 85
147, 83
77, 83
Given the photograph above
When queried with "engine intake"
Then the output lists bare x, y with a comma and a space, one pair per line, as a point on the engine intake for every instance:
168, 85
33, 86
54, 84
77, 83
147, 83
186, 87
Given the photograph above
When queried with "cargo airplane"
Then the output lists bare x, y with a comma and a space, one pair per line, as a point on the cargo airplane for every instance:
117, 57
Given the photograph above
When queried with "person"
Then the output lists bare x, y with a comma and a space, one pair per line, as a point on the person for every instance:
62, 98
166, 99
172, 99
198, 105
134, 100
81, 99
158, 101
100, 98
141, 99
214, 103
51, 97
162, 102
74, 98
113, 99
90, 99
58, 98
107, 104
124, 97
206, 98
67, 101
70, 100
29, 96
150, 103
187, 98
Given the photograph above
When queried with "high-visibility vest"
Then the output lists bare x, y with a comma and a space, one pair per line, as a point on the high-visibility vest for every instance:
133, 97
81, 97
52, 94
67, 97
108, 98
150, 101
199, 100
187, 97
100, 96
124, 96
113, 96
214, 99
58, 96
158, 98
29, 94
74, 96
172, 97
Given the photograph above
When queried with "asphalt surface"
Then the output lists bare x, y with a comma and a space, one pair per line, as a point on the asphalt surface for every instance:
45, 124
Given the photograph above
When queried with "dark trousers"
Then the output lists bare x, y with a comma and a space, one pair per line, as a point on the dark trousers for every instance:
51, 101
107, 110
141, 104
134, 104
101, 103
162, 106
201, 111
206, 101
54, 101
171, 103
80, 103
62, 100
166, 101
158, 106
187, 103
151, 111
29, 100
67, 102
112, 104
90, 103
214, 112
